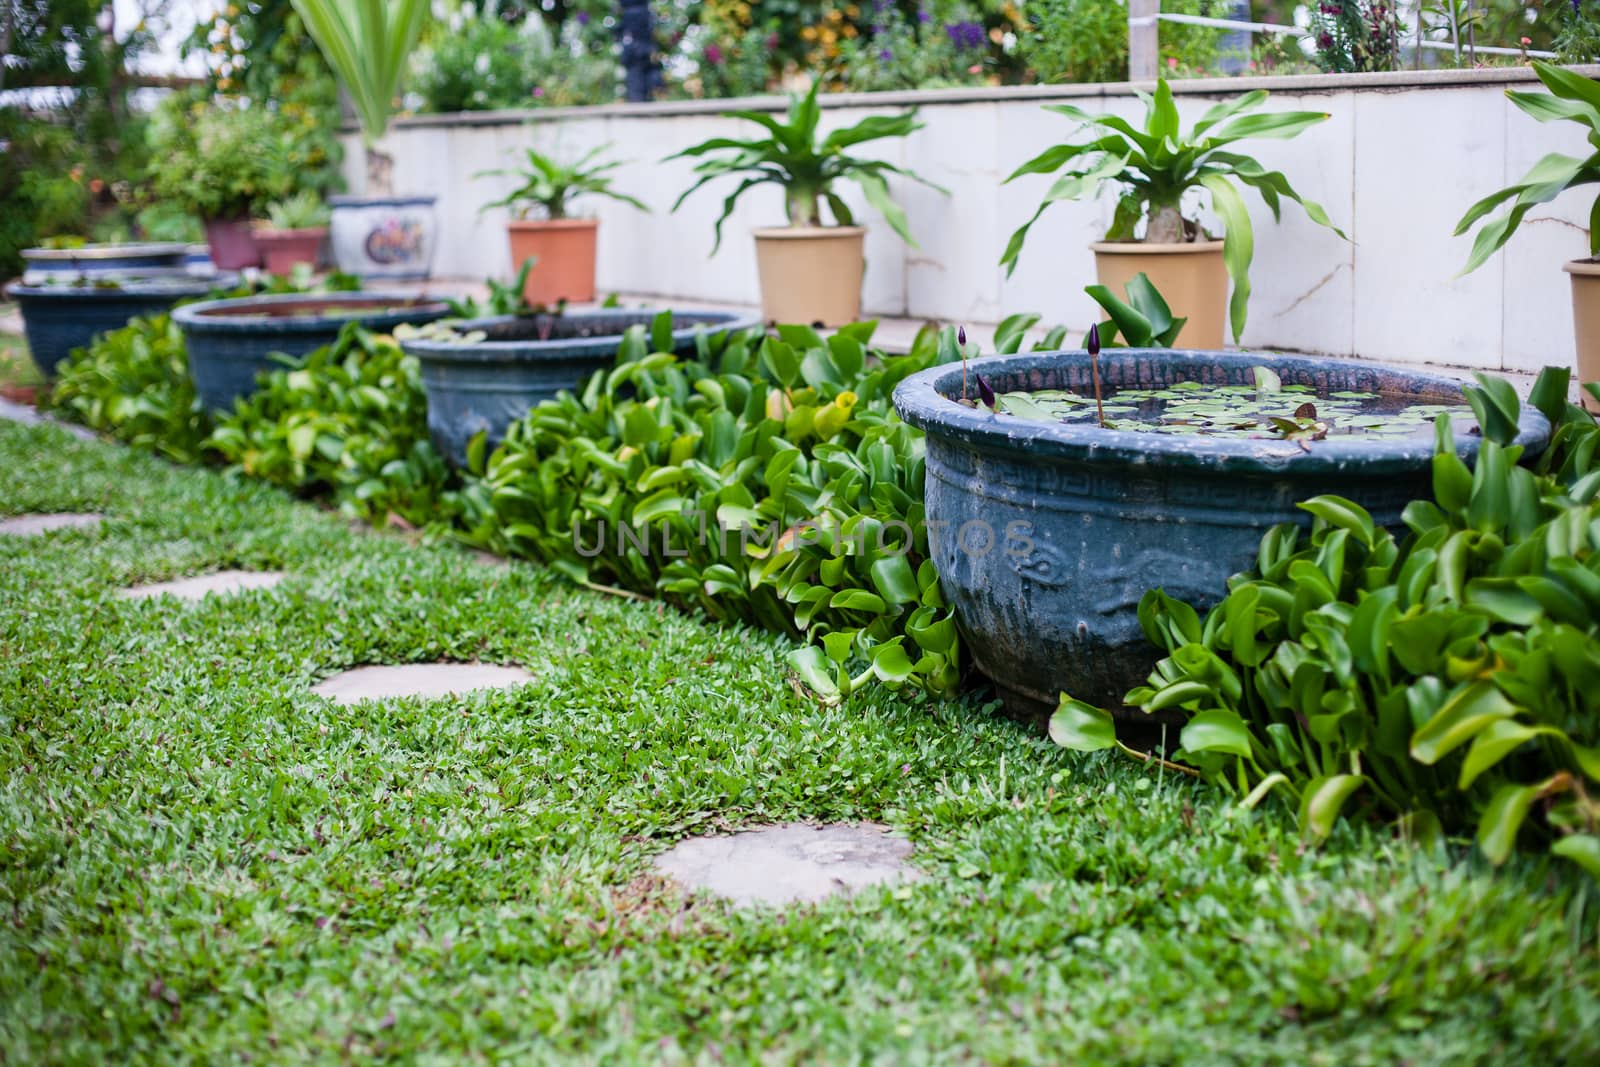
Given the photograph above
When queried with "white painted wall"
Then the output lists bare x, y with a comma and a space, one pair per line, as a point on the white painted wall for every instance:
1400, 159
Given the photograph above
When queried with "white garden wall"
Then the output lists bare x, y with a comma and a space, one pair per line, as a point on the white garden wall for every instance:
1401, 158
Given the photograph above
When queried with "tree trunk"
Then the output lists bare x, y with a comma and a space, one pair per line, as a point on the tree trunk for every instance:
380, 173
802, 207
1164, 225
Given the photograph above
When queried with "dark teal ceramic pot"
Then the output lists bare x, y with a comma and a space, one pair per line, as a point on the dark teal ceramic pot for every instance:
60, 316
524, 360
1047, 534
231, 342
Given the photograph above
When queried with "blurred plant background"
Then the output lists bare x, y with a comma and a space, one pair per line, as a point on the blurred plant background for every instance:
88, 143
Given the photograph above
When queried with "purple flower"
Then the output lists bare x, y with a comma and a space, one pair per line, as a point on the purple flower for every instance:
713, 54
922, 15
961, 336
965, 35
886, 55
987, 393
583, 18
1092, 342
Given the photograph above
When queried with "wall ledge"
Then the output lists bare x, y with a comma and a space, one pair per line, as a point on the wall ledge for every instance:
1301, 84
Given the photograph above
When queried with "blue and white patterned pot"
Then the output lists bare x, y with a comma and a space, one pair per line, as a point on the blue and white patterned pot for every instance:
391, 238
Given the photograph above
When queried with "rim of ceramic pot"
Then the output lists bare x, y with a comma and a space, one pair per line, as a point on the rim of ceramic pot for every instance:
807, 233
601, 345
347, 200
241, 314
105, 250
924, 401
177, 283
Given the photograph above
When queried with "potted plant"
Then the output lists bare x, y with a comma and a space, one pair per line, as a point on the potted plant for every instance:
1165, 471
488, 368
368, 44
232, 341
60, 314
1154, 168
1575, 98
561, 248
222, 164
293, 233
810, 273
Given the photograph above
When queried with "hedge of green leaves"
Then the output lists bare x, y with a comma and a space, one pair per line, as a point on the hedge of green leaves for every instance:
1447, 679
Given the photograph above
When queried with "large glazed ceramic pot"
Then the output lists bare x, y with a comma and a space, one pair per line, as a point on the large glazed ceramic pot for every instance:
231, 342
1046, 534
67, 264
391, 238
487, 385
59, 317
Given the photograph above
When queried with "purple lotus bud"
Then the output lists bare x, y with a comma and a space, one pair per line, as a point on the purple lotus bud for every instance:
961, 336
1092, 341
987, 394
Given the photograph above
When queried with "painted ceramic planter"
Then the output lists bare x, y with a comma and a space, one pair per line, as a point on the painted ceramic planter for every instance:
389, 238
231, 342
1047, 534
489, 385
43, 265
60, 317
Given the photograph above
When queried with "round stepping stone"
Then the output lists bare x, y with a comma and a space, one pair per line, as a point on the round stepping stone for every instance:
425, 680
219, 583
34, 525
789, 863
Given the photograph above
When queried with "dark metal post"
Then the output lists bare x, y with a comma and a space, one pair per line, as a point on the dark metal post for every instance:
637, 30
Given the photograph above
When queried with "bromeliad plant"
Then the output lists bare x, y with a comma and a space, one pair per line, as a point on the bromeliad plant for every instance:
550, 186
1154, 167
1445, 681
808, 169
368, 44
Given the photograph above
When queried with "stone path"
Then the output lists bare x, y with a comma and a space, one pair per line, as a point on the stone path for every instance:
34, 525
426, 680
789, 863
15, 412
219, 583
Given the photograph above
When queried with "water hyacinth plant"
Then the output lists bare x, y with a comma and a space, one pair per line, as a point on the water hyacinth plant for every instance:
806, 167
1154, 167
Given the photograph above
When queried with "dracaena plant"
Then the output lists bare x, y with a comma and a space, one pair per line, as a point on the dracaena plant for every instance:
1572, 97
807, 168
368, 43
550, 186
1156, 166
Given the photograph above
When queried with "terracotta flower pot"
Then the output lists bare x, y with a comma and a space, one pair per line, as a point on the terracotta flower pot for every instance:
811, 274
1192, 278
564, 254
233, 247
1586, 322
282, 249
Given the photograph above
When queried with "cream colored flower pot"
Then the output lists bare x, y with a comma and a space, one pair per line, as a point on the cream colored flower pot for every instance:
1586, 322
1191, 278
810, 274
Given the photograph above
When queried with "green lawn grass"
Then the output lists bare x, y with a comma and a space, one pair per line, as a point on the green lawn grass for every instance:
201, 861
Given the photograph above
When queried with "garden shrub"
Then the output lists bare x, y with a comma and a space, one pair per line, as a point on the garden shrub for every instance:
349, 419
488, 62
1445, 679
764, 480
134, 385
